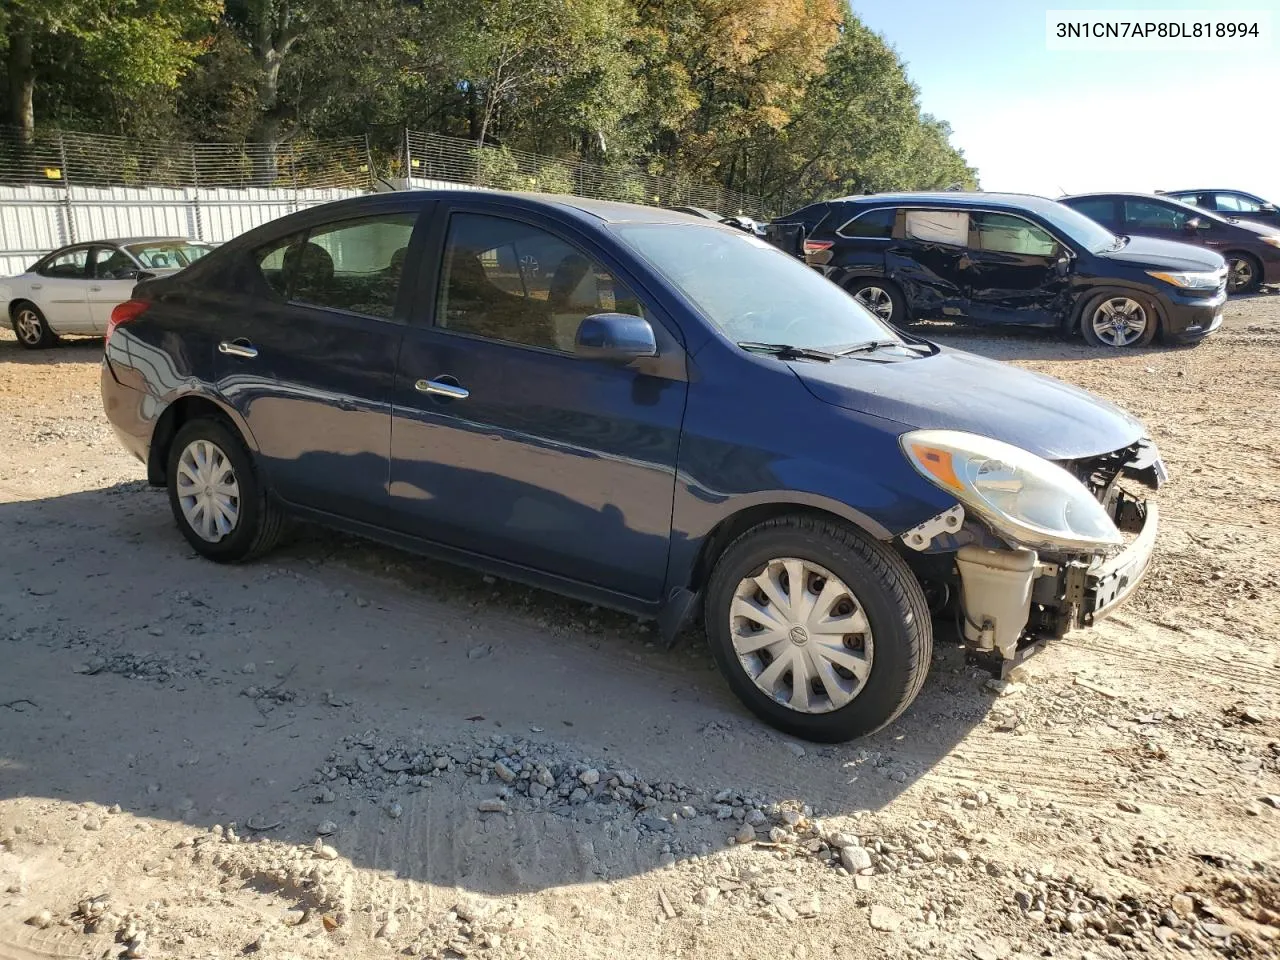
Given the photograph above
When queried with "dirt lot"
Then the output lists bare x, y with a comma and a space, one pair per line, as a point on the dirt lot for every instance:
348, 751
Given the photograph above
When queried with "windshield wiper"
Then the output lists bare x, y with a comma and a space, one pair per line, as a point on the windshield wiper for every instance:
870, 347
786, 351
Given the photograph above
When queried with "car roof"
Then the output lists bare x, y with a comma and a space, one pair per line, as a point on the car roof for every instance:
608, 211
957, 200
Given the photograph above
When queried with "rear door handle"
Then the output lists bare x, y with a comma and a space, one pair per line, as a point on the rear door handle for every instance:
37, 286
440, 388
239, 347
95, 289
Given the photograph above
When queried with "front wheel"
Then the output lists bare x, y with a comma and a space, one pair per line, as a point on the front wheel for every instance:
217, 499
820, 631
1244, 273
1117, 320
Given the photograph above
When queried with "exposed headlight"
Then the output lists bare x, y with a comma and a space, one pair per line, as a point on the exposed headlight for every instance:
1189, 281
1032, 501
1274, 241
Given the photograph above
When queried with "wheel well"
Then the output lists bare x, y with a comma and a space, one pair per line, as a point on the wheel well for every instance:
1245, 254
729, 529
14, 304
179, 412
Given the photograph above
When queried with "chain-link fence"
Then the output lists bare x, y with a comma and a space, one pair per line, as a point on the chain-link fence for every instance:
428, 156
59, 158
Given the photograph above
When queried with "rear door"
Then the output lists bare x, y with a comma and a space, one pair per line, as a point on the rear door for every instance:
1103, 210
307, 355
1013, 271
112, 276
541, 458
60, 288
924, 256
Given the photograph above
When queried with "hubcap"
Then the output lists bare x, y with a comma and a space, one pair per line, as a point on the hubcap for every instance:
208, 491
1119, 321
1240, 272
877, 300
28, 326
801, 635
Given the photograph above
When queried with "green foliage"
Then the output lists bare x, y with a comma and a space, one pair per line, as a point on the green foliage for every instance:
790, 100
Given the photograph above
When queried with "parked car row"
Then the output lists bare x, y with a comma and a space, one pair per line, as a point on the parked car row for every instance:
666, 415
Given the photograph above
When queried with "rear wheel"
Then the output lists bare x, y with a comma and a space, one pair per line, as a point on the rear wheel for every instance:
1244, 273
881, 297
31, 327
217, 499
819, 631
1117, 320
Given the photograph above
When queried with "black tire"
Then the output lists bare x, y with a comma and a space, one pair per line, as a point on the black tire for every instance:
898, 303
260, 520
30, 326
1254, 267
888, 593
1092, 305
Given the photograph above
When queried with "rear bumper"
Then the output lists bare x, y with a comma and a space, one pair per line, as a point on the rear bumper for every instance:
126, 412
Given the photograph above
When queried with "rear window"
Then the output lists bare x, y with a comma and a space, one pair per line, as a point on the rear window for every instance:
874, 224
810, 216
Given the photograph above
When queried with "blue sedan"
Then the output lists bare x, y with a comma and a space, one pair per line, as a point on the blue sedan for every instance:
641, 409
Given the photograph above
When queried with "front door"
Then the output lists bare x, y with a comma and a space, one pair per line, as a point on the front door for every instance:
308, 359
1015, 272
507, 444
924, 257
61, 290
1165, 221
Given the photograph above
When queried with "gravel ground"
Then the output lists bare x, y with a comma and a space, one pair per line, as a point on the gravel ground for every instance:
346, 750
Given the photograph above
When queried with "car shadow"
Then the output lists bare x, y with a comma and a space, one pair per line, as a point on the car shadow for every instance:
194, 694
67, 349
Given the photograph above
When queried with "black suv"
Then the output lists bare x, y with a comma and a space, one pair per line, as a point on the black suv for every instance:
1252, 251
1012, 259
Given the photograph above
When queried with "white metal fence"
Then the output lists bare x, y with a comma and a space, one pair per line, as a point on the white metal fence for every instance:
35, 219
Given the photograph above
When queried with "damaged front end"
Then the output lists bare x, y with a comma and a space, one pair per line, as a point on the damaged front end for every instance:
1010, 596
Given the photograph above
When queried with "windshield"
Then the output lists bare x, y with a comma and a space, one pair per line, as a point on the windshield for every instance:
751, 290
1088, 233
168, 254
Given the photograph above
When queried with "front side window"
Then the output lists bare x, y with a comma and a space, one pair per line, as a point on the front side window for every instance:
168, 254
751, 290
71, 265
353, 265
505, 280
1234, 203
1003, 233
112, 264
1148, 215
950, 227
874, 224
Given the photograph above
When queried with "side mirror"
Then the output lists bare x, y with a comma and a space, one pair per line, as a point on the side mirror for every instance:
1062, 264
1268, 208
617, 337
1192, 225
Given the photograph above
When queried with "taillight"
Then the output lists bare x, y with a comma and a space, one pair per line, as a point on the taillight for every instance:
817, 246
124, 313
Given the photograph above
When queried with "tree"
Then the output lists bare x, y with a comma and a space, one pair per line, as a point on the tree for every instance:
127, 45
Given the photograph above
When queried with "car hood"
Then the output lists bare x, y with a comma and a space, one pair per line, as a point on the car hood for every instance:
954, 390
1167, 254
1261, 229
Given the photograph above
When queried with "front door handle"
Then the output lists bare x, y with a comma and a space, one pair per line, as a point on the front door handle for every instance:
95, 289
440, 388
37, 286
239, 347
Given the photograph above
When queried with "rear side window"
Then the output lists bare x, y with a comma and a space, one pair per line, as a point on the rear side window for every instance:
1005, 233
71, 264
950, 227
353, 265
1101, 210
874, 224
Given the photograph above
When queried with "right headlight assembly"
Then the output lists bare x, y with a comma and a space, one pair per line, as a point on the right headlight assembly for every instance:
1024, 497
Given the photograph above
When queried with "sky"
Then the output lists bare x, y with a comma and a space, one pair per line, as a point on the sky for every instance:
1044, 121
